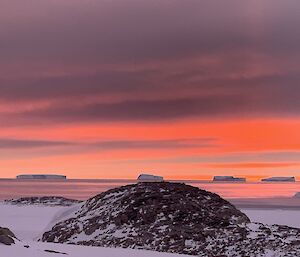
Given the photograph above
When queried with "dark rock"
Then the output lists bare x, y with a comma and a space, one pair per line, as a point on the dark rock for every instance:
6, 240
51, 251
6, 232
6, 236
44, 200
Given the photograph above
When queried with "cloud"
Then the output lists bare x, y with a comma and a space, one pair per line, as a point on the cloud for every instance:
102, 61
106, 145
28, 144
109, 31
239, 102
228, 159
262, 165
156, 144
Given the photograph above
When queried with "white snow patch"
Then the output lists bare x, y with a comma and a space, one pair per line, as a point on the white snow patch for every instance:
38, 250
274, 216
27, 222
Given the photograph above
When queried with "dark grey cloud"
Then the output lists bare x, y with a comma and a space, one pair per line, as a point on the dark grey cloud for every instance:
28, 144
136, 110
158, 144
101, 83
102, 31
26, 148
156, 60
268, 100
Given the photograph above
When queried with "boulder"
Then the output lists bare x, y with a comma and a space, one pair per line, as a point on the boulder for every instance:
6, 236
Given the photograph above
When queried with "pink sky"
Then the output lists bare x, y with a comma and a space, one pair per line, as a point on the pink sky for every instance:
186, 89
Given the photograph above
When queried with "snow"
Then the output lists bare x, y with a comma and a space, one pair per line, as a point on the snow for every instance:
62, 213
27, 222
38, 250
274, 216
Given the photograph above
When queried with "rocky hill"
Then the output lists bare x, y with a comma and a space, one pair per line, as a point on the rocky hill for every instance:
172, 217
45, 201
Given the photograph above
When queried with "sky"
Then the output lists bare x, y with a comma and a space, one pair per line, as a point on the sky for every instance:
184, 89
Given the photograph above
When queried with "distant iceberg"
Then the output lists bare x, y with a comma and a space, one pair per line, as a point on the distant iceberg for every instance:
149, 178
228, 179
41, 176
279, 179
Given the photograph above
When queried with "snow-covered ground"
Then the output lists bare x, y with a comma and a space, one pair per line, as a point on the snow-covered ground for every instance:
38, 250
274, 216
28, 222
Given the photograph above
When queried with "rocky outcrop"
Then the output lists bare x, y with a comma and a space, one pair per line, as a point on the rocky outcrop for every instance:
45, 201
6, 236
172, 217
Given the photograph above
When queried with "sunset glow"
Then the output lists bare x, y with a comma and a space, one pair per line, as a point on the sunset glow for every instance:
193, 93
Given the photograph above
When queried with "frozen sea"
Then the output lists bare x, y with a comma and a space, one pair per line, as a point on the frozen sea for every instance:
84, 189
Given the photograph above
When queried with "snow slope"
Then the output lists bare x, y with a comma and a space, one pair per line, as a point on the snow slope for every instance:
274, 216
38, 250
27, 222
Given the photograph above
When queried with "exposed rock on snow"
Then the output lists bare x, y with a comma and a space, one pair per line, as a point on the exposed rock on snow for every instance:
52, 251
45, 201
6, 236
172, 217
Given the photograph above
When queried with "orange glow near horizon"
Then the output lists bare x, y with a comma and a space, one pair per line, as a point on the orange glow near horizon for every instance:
252, 165
228, 137
256, 134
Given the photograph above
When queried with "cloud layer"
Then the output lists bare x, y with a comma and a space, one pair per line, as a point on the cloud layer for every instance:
161, 78
6, 143
110, 61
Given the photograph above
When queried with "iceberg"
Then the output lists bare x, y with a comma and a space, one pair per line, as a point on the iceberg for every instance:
41, 176
279, 179
228, 179
149, 178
